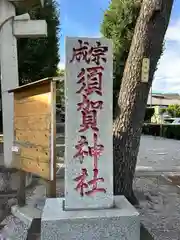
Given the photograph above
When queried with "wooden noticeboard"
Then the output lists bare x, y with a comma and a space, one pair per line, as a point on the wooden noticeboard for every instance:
35, 128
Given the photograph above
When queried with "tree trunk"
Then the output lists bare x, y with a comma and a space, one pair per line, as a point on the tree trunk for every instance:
147, 42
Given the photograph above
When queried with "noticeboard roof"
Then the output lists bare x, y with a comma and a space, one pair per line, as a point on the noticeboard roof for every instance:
28, 3
34, 84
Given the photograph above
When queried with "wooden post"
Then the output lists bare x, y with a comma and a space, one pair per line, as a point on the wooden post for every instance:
51, 188
21, 195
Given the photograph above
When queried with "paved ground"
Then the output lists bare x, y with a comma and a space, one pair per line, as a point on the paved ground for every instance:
159, 153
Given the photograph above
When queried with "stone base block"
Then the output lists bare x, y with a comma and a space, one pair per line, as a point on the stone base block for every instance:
119, 223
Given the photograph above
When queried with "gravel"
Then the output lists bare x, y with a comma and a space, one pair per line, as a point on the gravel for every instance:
14, 229
159, 207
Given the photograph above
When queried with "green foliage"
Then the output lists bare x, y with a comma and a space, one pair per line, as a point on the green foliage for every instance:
163, 110
149, 113
38, 58
151, 129
61, 72
168, 131
60, 100
173, 110
118, 25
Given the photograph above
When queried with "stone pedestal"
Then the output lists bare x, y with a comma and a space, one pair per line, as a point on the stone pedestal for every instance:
121, 222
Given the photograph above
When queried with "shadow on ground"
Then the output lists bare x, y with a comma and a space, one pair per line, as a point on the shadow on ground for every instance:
144, 234
34, 230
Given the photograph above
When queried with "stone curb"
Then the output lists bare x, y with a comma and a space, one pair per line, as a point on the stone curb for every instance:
150, 171
25, 214
170, 181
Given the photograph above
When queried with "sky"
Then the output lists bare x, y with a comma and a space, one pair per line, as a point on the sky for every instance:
84, 20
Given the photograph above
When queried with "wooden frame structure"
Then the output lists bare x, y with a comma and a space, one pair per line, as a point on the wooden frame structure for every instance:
34, 148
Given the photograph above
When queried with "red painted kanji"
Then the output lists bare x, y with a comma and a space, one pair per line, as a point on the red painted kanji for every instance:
83, 184
96, 150
87, 104
98, 53
88, 53
89, 120
90, 80
82, 148
94, 183
82, 52
88, 110
81, 181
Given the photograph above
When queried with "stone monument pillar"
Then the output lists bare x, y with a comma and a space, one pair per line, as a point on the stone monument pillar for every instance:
89, 209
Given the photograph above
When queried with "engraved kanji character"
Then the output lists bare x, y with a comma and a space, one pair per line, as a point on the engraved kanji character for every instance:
98, 53
89, 120
94, 182
96, 150
89, 53
81, 53
82, 149
81, 182
90, 80
82, 79
87, 104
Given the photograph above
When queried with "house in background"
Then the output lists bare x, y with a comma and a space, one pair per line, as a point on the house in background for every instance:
163, 99
159, 101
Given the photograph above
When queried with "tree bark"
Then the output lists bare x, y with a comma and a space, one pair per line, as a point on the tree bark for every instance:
147, 41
